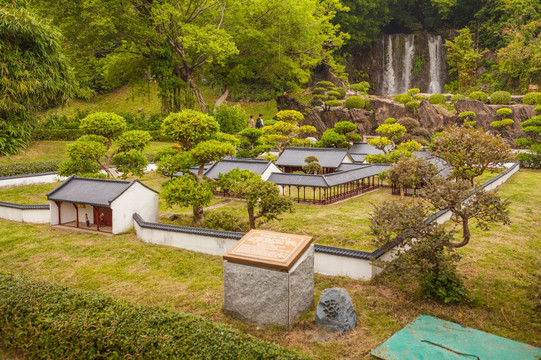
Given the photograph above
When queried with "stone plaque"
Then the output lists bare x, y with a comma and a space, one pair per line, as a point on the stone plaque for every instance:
269, 249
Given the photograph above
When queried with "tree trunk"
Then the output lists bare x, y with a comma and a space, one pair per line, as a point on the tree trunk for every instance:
222, 98
198, 216
198, 94
401, 192
465, 235
251, 216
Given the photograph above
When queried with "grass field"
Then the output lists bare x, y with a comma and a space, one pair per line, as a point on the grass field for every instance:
503, 267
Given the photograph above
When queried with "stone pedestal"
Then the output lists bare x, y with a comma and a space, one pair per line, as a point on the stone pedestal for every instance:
267, 296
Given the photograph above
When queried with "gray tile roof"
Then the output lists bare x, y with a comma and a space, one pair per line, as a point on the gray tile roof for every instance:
223, 167
98, 192
364, 149
328, 180
328, 158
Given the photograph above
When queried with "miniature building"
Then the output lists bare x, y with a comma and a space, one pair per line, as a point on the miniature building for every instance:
108, 205
258, 166
360, 149
292, 159
349, 180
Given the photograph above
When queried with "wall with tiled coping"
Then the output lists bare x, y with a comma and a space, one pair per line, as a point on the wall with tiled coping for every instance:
328, 260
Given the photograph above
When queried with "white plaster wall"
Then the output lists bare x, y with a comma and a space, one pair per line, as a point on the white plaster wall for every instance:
31, 180
12, 214
53, 213
137, 199
34, 216
67, 210
334, 265
271, 169
199, 243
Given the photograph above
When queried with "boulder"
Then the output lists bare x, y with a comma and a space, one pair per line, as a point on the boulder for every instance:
335, 311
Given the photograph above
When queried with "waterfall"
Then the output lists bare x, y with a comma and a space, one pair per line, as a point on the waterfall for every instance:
389, 85
409, 55
435, 54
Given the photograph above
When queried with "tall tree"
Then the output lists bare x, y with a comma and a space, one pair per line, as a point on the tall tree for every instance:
34, 74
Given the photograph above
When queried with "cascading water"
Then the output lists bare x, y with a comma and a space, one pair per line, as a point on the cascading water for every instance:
409, 55
388, 68
400, 55
435, 57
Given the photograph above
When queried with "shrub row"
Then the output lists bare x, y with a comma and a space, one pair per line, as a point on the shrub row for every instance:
57, 134
28, 168
529, 160
74, 134
51, 321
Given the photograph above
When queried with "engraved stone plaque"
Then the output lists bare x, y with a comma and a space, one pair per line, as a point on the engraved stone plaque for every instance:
269, 249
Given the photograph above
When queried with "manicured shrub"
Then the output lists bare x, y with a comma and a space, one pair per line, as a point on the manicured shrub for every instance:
507, 122
318, 91
413, 105
402, 98
532, 99
341, 92
367, 104
467, 115
336, 94
537, 109
331, 97
504, 112
409, 123
361, 87
479, 96
290, 116
25, 168
437, 99
332, 103
354, 102
500, 97
419, 97
413, 91
325, 84
530, 160
390, 120
457, 97
320, 96
43, 320
159, 136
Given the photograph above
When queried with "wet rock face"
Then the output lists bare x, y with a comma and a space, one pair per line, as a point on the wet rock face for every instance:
335, 311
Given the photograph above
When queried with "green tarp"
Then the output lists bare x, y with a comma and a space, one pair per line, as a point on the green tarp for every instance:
429, 338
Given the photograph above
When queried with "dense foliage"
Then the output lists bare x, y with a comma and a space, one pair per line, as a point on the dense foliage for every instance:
25, 168
34, 74
50, 321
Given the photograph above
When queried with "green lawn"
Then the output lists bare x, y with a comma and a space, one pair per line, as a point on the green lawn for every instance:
503, 267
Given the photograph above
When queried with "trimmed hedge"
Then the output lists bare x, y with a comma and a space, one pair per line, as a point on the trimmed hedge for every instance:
57, 134
354, 102
479, 96
500, 98
532, 99
437, 99
402, 98
47, 321
35, 167
457, 97
332, 103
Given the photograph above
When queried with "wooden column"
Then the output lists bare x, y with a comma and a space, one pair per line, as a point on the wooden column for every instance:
58, 205
76, 215
314, 195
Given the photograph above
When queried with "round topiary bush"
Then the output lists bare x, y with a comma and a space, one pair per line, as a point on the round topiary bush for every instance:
504, 112
532, 99
325, 84
500, 97
390, 120
320, 97
439, 99
507, 122
341, 91
332, 103
419, 97
413, 91
354, 102
402, 98
331, 97
457, 97
318, 91
467, 115
537, 109
479, 96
